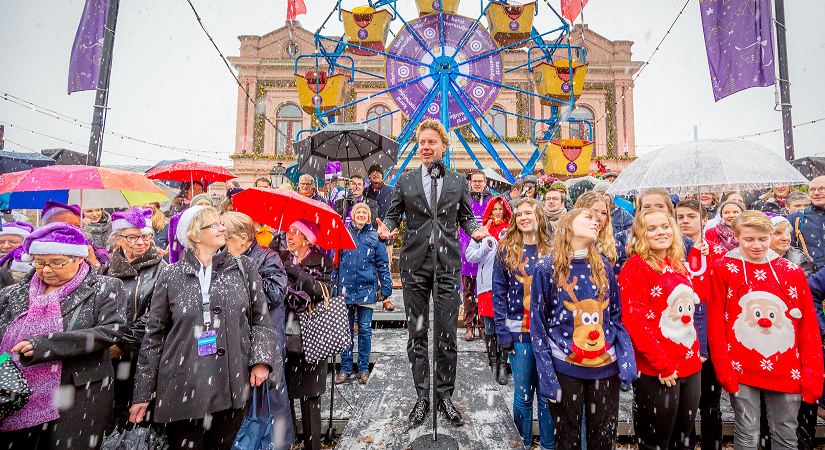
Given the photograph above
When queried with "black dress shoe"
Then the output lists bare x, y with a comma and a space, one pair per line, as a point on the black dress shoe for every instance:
419, 412
450, 412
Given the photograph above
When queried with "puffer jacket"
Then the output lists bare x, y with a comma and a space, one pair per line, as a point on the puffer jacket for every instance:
769, 205
483, 252
99, 232
620, 219
360, 268
187, 386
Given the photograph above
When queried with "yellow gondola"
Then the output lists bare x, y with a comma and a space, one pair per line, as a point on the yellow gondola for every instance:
558, 79
426, 7
510, 23
568, 156
366, 27
319, 89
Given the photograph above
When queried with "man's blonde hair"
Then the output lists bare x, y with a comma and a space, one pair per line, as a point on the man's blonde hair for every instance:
752, 219
432, 124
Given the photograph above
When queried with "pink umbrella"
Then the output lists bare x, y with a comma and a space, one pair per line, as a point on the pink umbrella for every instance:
191, 171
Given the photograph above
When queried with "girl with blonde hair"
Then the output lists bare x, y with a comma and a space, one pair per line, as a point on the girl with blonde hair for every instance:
606, 243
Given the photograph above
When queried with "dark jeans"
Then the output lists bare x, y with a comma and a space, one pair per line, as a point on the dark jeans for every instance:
361, 315
311, 421
709, 410
468, 285
192, 434
663, 416
418, 286
599, 400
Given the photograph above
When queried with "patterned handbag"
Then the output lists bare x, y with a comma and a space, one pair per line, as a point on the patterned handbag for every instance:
325, 329
14, 388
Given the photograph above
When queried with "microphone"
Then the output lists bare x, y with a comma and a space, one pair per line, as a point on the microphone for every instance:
437, 169
524, 190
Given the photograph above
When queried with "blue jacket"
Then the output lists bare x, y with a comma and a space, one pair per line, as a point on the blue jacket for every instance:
817, 284
621, 219
383, 197
559, 345
812, 226
361, 267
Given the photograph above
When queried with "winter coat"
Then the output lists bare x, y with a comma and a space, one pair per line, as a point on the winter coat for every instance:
762, 327
360, 268
139, 278
5, 273
183, 384
306, 282
555, 321
162, 237
801, 259
93, 321
479, 203
271, 270
99, 232
620, 219
769, 205
316, 196
816, 283
812, 226
483, 253
382, 197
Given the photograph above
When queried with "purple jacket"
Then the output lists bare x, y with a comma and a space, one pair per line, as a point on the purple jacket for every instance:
470, 269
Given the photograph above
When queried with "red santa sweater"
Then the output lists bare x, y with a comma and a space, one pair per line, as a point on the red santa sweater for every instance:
657, 310
762, 327
701, 283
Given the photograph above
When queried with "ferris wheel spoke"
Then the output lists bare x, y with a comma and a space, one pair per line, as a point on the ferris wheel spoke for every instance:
407, 60
499, 50
512, 88
408, 82
471, 30
414, 33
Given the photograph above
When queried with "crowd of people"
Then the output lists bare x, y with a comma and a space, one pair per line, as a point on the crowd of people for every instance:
172, 318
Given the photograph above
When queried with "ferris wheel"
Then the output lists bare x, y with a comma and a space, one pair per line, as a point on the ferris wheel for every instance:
449, 67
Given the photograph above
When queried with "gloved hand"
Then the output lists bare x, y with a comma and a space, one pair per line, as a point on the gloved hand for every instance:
292, 270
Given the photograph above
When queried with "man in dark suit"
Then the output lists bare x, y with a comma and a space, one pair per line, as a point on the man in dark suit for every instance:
419, 258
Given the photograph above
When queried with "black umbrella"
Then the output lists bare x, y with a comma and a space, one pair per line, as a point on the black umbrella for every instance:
355, 145
19, 161
65, 157
810, 166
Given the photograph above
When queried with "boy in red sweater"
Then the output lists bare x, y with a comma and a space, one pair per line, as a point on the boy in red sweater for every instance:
763, 334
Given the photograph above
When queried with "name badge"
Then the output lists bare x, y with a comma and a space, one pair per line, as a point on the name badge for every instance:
207, 343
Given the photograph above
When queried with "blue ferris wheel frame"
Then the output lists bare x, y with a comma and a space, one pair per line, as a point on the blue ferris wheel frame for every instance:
444, 71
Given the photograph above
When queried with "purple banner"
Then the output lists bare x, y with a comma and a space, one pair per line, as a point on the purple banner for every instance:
84, 64
739, 44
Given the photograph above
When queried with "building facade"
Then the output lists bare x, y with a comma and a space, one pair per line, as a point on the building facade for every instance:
266, 68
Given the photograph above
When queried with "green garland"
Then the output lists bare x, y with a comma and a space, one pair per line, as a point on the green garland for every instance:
612, 139
261, 156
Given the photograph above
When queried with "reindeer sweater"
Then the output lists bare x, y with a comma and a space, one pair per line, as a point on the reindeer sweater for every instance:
762, 327
580, 335
659, 315
511, 301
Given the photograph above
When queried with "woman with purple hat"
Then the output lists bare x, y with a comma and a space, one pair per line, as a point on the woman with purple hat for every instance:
309, 275
59, 322
208, 338
137, 262
11, 238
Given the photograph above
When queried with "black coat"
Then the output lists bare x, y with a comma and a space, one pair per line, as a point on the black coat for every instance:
95, 313
454, 210
382, 198
183, 384
802, 260
305, 380
5, 274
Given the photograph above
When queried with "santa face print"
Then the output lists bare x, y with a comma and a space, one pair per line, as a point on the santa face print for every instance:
762, 325
676, 322
753, 244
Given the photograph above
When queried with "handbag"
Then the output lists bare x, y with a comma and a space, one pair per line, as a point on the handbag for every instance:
256, 430
135, 438
14, 388
325, 328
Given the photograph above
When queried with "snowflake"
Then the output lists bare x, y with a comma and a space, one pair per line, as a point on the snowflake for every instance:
726, 319
795, 374
689, 354
667, 269
792, 292
760, 275
730, 294
719, 250
728, 347
736, 366
766, 365
651, 315
732, 268
656, 291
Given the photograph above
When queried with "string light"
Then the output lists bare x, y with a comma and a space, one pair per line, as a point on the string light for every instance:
21, 146
761, 133
81, 124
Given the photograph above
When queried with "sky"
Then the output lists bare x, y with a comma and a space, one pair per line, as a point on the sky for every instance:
170, 87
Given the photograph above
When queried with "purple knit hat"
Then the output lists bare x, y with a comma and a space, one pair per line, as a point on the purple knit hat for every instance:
53, 208
135, 217
56, 238
178, 225
18, 228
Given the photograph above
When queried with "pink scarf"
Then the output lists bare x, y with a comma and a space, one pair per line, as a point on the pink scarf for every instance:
43, 317
726, 238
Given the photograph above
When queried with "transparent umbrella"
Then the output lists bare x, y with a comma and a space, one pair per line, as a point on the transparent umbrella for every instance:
718, 165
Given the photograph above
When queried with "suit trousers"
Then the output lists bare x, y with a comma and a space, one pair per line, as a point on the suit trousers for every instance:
418, 286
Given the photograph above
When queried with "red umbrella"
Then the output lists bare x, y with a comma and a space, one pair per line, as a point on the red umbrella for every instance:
280, 208
190, 171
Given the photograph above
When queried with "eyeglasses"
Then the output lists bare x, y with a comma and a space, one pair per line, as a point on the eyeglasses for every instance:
14, 242
304, 184
817, 189
216, 225
294, 232
53, 266
133, 239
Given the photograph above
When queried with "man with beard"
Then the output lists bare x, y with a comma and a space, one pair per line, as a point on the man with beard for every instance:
763, 335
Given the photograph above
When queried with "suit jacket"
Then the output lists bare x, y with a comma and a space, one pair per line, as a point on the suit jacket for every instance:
454, 210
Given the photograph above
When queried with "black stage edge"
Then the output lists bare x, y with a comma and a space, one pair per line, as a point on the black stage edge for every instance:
426, 442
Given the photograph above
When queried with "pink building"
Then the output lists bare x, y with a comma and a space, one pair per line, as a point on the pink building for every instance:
266, 68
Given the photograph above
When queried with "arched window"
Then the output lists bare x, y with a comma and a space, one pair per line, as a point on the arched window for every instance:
382, 125
581, 130
288, 121
497, 119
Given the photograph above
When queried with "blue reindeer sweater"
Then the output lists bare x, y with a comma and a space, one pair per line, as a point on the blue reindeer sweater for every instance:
511, 297
575, 330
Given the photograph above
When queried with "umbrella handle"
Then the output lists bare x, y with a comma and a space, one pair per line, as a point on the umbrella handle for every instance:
702, 269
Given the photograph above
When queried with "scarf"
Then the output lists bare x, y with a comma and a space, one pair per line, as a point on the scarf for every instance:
376, 187
43, 317
582, 354
478, 197
726, 238
307, 195
779, 200
554, 215
121, 268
